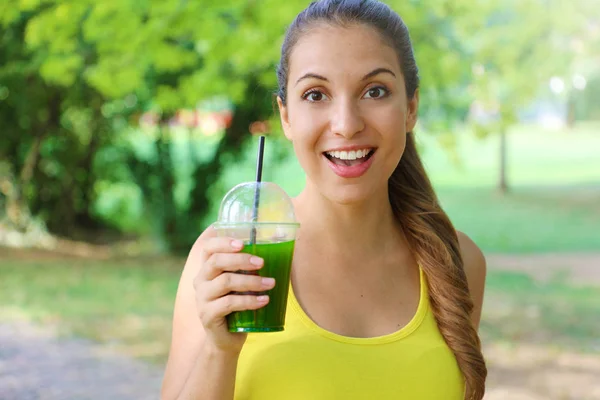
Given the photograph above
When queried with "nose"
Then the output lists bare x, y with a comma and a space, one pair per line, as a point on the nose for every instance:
346, 119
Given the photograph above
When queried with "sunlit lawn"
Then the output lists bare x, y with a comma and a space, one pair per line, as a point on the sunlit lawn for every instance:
126, 304
536, 157
554, 201
529, 220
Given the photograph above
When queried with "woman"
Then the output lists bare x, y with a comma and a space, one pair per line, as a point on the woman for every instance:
386, 296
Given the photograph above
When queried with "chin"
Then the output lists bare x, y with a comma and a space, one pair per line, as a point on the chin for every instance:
348, 194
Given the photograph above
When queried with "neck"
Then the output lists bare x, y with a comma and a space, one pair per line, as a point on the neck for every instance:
357, 231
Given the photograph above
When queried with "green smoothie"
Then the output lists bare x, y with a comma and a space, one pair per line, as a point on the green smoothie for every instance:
278, 263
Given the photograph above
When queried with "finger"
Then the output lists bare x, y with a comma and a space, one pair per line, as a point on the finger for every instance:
204, 236
224, 262
223, 306
213, 245
231, 282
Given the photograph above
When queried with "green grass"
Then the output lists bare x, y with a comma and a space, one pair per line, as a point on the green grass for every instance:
517, 308
554, 200
126, 304
529, 220
536, 156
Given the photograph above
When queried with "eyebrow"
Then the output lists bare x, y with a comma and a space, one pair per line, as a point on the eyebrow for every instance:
371, 74
378, 71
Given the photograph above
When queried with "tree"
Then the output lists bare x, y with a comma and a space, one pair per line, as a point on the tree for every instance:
523, 44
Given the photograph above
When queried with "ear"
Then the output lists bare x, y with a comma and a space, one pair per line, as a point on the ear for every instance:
411, 112
285, 122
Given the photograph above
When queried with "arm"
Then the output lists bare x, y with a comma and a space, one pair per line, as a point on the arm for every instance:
211, 377
475, 269
194, 370
203, 358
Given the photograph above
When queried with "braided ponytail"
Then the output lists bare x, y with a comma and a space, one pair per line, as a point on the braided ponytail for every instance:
434, 242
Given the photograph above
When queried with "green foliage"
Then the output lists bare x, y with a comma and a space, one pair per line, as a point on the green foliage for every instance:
95, 58
525, 43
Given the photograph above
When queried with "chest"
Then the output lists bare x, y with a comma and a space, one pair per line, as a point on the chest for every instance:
354, 304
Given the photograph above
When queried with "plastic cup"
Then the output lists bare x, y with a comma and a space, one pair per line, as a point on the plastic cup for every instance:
269, 233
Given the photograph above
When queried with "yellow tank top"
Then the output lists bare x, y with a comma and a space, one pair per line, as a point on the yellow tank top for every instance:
306, 362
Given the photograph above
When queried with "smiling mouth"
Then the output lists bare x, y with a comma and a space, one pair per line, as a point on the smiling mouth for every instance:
349, 158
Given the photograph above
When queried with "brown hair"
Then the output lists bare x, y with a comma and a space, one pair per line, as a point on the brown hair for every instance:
428, 229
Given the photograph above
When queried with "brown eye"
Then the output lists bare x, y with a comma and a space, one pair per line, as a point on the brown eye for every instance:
314, 96
376, 93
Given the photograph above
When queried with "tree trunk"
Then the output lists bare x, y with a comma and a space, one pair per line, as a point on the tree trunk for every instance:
571, 111
503, 182
31, 160
84, 217
17, 208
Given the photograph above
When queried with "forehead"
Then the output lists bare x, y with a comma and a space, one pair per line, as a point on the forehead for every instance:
348, 50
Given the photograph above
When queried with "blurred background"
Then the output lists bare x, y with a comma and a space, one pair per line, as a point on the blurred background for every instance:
123, 123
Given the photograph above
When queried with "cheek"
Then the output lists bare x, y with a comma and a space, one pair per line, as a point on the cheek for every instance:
305, 131
392, 127
306, 128
394, 153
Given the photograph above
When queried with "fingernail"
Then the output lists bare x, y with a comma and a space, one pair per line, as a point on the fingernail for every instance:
256, 261
237, 244
268, 282
262, 299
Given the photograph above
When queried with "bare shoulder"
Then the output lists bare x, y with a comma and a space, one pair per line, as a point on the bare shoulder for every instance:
475, 269
473, 258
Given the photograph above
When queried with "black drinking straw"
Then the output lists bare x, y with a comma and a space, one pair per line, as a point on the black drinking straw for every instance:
259, 167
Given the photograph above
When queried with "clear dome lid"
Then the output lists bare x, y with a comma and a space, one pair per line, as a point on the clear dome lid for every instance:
274, 205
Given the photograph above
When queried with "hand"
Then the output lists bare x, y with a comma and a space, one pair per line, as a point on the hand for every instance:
216, 279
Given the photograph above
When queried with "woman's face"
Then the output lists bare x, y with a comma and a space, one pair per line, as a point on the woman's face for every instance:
347, 113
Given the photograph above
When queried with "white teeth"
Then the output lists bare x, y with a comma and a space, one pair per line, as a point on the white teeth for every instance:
349, 155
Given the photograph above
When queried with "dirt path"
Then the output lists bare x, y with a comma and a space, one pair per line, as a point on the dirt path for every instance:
525, 372
35, 365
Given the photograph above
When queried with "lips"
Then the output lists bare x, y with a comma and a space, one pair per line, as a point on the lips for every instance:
350, 163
